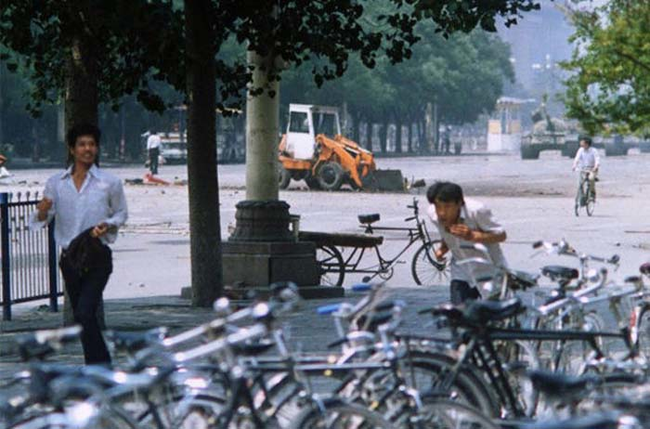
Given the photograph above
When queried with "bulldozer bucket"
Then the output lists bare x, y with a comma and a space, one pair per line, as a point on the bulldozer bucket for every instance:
384, 180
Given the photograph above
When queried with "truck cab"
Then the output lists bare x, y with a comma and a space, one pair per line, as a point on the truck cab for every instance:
306, 121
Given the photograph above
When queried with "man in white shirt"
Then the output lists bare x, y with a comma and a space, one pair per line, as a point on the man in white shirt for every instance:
153, 147
587, 161
463, 221
85, 201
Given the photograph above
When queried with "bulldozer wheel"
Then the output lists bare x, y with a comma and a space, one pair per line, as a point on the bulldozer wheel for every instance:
284, 177
330, 176
312, 183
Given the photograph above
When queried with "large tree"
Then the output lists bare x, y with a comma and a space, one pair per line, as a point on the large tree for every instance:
99, 50
609, 85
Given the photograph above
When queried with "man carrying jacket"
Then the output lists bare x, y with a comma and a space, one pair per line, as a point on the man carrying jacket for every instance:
87, 204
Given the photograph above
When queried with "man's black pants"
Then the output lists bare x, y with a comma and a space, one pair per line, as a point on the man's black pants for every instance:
153, 160
460, 292
85, 291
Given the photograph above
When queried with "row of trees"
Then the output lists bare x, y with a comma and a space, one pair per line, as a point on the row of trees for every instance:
92, 51
462, 75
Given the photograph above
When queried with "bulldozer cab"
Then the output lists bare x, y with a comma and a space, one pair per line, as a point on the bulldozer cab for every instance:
306, 121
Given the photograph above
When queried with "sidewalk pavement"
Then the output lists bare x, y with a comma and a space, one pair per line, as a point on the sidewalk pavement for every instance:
307, 331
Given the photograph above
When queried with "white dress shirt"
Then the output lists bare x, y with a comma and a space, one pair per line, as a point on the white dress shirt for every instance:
100, 199
587, 159
477, 217
153, 141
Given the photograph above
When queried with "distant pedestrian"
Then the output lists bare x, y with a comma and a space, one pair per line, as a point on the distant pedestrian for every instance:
153, 147
89, 206
446, 140
463, 221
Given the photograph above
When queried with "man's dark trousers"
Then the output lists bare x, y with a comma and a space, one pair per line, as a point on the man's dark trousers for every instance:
461, 292
85, 291
153, 160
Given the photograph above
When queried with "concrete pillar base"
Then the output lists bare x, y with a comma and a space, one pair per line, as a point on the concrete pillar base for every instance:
255, 265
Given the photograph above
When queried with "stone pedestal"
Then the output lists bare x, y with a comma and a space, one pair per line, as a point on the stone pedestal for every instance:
257, 264
263, 250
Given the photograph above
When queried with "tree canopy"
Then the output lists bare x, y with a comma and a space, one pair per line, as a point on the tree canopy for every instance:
135, 42
609, 88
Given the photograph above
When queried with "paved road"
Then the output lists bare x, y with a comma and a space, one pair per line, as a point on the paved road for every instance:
533, 199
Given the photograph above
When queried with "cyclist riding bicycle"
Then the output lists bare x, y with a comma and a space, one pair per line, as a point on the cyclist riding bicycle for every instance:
587, 161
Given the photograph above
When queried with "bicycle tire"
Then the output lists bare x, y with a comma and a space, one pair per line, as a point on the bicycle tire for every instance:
335, 413
426, 269
591, 205
468, 387
518, 351
448, 414
210, 405
642, 326
331, 266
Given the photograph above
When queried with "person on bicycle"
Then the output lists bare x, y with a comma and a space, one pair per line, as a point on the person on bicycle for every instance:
588, 161
463, 221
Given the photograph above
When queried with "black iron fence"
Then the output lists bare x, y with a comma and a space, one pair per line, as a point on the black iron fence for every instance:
29, 257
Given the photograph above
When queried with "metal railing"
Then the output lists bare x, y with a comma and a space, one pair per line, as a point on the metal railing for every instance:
29, 257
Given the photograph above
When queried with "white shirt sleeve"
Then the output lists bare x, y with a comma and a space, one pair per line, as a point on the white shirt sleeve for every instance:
578, 155
49, 192
487, 222
117, 203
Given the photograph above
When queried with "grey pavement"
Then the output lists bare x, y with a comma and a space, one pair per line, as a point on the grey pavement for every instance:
307, 331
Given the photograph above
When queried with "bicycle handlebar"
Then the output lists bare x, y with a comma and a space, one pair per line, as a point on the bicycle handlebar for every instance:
563, 248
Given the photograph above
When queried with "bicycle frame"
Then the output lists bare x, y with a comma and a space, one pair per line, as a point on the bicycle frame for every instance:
584, 187
418, 233
481, 352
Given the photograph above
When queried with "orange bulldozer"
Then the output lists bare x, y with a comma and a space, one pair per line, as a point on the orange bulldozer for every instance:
314, 150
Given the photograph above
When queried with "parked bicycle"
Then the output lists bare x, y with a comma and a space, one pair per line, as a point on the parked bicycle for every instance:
335, 262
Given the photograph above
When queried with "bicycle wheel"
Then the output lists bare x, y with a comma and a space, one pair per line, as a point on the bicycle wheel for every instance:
591, 205
335, 413
447, 414
521, 356
181, 412
643, 332
426, 269
426, 370
331, 266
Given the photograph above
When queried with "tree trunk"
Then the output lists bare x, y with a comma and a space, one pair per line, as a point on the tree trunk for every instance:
436, 129
369, 135
383, 136
428, 129
81, 106
409, 140
398, 137
355, 128
205, 229
262, 127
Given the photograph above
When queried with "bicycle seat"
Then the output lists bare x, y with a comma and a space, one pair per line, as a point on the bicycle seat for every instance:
375, 320
645, 269
369, 218
254, 348
490, 311
560, 273
521, 280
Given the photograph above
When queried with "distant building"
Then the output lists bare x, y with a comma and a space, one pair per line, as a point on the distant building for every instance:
538, 42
